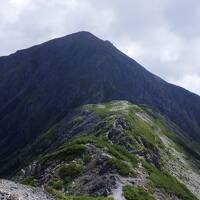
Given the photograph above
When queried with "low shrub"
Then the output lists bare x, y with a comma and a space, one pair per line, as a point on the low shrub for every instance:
57, 184
136, 193
123, 168
70, 171
29, 181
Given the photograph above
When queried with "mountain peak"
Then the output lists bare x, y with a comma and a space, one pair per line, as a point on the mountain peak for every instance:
84, 35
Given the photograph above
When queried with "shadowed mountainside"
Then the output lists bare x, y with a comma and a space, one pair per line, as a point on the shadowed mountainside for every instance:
39, 85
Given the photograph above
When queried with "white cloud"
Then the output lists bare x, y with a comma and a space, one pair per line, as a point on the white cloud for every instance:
161, 35
19, 3
190, 82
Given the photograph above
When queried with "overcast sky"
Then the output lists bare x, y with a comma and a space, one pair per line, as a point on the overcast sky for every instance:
163, 35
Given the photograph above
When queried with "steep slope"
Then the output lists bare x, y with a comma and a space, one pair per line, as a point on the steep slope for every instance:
41, 84
114, 149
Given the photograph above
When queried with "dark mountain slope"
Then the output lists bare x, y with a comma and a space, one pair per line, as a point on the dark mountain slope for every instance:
39, 85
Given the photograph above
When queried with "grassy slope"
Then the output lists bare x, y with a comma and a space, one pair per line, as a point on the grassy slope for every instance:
142, 135
151, 128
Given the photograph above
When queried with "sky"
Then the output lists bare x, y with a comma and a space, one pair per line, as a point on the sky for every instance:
162, 35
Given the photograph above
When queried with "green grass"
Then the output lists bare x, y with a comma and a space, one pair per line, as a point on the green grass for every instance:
136, 193
91, 198
116, 151
29, 181
183, 144
171, 185
121, 153
67, 152
168, 183
103, 110
70, 171
108, 108
60, 196
140, 128
56, 184
123, 168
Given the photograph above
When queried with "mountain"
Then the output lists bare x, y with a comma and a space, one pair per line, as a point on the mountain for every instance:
76, 97
42, 83
116, 149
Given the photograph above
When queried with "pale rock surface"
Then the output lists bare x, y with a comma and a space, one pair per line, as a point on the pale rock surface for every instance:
14, 191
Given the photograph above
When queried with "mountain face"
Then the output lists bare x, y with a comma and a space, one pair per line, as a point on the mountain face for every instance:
57, 112
40, 84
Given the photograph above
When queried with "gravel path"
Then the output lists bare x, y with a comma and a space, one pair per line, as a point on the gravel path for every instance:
139, 180
14, 191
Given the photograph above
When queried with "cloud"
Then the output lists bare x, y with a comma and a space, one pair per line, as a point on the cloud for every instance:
164, 35
190, 82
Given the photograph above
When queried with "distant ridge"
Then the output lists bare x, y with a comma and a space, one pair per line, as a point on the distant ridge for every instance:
39, 85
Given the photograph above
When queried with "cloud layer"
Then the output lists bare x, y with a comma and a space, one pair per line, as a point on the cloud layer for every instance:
164, 35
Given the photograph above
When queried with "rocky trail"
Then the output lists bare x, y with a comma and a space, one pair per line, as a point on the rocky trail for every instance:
14, 191
139, 180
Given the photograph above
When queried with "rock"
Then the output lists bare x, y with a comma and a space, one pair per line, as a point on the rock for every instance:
14, 191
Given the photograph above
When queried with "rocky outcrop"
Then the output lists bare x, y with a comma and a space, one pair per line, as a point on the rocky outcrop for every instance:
14, 191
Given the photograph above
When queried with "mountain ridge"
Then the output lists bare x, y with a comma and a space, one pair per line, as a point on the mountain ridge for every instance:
109, 146
37, 64
41, 84
83, 121
87, 35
